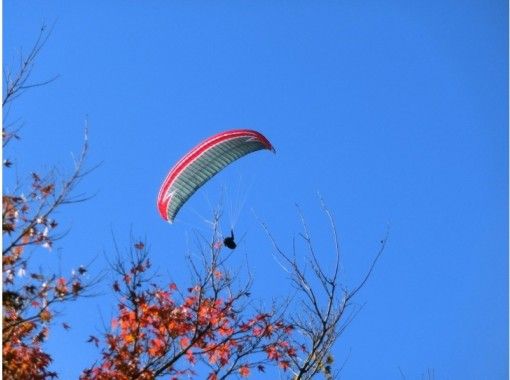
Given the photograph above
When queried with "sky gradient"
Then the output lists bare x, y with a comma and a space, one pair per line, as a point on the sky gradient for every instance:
396, 112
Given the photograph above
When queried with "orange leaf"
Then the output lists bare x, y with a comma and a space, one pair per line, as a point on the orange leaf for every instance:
284, 364
157, 347
191, 357
217, 275
272, 353
47, 190
45, 315
184, 342
244, 371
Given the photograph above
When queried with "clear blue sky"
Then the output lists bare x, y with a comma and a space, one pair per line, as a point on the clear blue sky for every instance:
396, 111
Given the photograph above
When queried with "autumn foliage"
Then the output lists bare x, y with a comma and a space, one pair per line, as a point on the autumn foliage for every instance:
165, 331
29, 295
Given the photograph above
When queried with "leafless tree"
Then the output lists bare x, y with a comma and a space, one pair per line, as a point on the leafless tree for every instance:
325, 306
18, 81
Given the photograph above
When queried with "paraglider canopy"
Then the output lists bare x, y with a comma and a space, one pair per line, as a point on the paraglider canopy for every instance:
202, 163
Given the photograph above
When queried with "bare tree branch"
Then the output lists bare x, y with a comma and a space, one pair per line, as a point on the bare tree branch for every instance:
324, 314
16, 84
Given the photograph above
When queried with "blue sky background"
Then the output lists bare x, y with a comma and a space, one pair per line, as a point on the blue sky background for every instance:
396, 111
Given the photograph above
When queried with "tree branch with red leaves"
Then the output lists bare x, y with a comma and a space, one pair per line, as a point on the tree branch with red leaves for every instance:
29, 296
168, 331
29, 226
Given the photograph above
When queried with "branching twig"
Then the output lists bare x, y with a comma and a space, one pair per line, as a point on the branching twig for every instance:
16, 84
324, 315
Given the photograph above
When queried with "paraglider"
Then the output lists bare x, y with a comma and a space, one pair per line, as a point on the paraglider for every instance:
229, 241
201, 164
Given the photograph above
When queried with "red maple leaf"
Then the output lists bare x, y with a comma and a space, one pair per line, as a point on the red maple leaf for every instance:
244, 370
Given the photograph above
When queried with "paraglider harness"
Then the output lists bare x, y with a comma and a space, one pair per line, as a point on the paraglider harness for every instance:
229, 241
